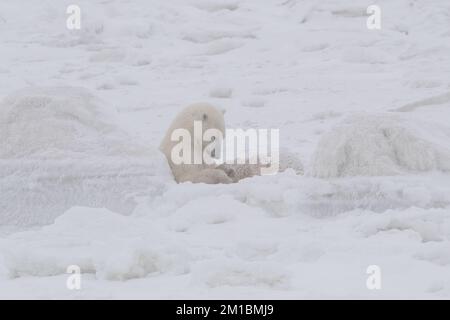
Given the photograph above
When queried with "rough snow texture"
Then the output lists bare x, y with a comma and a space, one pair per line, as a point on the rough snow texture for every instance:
61, 147
378, 145
309, 68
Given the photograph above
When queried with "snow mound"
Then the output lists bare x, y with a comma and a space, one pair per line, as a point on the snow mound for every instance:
35, 121
221, 92
98, 241
431, 225
380, 145
61, 147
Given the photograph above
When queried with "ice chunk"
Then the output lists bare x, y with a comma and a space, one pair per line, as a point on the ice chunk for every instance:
378, 145
98, 241
62, 147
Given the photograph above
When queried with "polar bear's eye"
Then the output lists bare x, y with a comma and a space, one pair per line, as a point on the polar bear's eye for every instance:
205, 117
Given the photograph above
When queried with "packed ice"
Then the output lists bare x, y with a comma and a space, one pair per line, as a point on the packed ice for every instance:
363, 117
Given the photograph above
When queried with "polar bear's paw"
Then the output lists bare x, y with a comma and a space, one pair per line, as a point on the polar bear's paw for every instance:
209, 176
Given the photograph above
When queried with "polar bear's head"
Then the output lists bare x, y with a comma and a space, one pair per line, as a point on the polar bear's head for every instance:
211, 117
205, 125
212, 127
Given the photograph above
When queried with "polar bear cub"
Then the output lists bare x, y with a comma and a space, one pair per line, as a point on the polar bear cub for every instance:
185, 139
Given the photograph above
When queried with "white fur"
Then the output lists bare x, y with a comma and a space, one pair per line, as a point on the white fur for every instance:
212, 118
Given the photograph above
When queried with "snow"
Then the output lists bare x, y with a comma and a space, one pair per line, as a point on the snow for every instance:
363, 118
379, 144
61, 147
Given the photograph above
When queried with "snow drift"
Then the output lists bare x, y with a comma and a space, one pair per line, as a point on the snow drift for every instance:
99, 241
380, 145
60, 147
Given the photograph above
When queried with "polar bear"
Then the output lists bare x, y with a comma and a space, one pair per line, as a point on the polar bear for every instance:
198, 144
186, 121
288, 160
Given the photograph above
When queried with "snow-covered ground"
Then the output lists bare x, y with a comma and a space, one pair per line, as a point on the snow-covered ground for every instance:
83, 112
